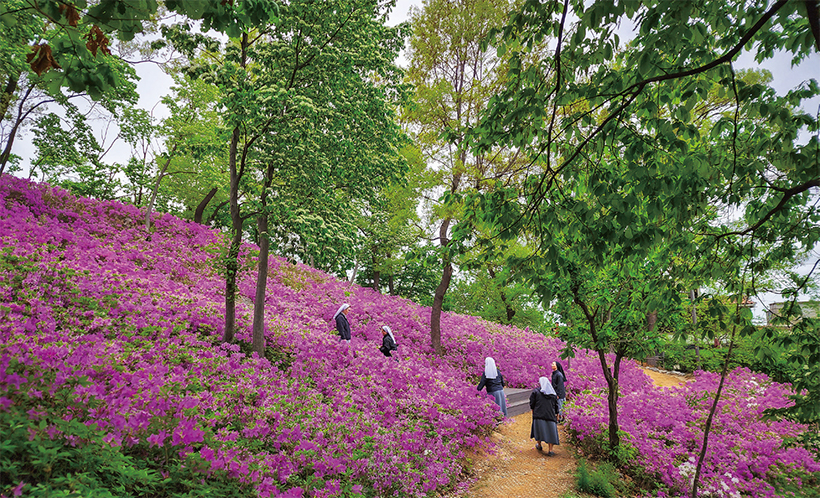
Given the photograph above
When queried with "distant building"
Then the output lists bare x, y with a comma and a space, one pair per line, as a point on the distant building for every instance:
810, 309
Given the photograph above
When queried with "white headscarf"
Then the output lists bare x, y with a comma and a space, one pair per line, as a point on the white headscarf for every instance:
341, 308
546, 387
490, 371
389, 332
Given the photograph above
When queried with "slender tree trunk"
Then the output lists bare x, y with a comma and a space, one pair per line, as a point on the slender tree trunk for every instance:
261, 279
200, 209
611, 379
8, 94
155, 191
390, 286
611, 400
355, 269
376, 281
711, 416
693, 294
441, 290
6, 154
651, 321
231, 269
232, 263
438, 303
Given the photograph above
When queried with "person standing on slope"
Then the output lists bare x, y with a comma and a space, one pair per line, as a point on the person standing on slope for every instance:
388, 341
494, 381
559, 378
342, 325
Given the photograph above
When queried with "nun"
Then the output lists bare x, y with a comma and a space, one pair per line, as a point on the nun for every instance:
342, 325
388, 341
559, 379
494, 381
544, 405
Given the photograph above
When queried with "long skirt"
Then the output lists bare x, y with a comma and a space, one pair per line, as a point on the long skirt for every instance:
544, 430
500, 400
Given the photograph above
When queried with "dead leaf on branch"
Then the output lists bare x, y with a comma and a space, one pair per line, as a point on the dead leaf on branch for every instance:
97, 41
71, 14
41, 59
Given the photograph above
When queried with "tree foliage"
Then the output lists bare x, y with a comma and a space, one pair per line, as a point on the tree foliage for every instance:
618, 156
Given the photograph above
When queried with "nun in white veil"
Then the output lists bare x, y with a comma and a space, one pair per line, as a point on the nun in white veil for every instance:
388, 341
342, 325
544, 405
494, 381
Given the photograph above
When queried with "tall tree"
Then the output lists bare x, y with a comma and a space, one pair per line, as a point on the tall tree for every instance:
334, 141
454, 78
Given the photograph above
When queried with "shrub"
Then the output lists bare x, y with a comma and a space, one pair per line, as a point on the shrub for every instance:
598, 481
45, 457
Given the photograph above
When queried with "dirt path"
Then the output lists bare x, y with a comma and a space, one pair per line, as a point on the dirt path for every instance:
666, 380
517, 470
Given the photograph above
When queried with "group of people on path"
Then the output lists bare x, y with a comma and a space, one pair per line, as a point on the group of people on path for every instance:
546, 401
343, 327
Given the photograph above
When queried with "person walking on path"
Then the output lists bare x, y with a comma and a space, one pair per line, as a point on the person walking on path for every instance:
544, 405
494, 381
342, 325
559, 378
388, 342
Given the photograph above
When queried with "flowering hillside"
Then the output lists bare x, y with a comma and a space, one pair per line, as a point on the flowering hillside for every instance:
113, 377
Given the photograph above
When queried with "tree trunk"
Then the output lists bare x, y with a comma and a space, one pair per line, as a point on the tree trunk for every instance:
693, 294
611, 379
390, 287
232, 263
441, 290
355, 269
651, 321
376, 278
261, 280
155, 191
6, 154
200, 209
711, 416
438, 303
231, 269
8, 94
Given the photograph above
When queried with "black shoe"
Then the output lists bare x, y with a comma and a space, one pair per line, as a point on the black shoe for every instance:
538, 447
551, 453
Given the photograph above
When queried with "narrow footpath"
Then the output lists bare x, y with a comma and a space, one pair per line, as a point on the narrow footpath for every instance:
518, 470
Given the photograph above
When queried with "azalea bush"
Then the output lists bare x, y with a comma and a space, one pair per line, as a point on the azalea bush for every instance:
112, 351
747, 455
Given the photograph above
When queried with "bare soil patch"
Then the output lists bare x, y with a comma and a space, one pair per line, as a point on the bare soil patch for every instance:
666, 380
